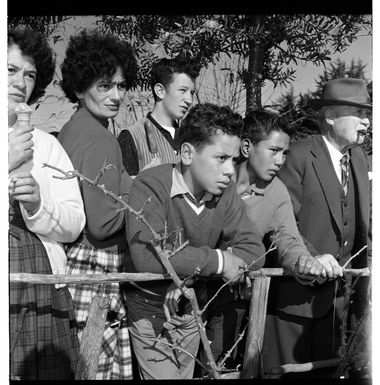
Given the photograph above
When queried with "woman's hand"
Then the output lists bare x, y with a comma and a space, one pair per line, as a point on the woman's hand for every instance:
24, 188
20, 145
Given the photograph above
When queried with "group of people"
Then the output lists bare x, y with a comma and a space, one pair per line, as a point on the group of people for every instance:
229, 186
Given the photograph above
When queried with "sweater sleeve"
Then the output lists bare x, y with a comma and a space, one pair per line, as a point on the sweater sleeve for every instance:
103, 214
291, 174
129, 152
157, 213
238, 231
61, 215
284, 232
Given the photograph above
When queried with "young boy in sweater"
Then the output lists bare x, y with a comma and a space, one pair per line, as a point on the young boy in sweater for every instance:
264, 147
197, 197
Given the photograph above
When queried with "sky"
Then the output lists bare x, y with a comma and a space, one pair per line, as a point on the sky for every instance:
306, 74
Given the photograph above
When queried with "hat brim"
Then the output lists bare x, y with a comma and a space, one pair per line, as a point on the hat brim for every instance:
317, 103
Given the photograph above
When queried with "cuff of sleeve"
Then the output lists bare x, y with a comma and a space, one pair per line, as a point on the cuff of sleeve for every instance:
220, 261
36, 215
306, 282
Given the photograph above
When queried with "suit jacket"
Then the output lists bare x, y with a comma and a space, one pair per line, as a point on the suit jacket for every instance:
315, 193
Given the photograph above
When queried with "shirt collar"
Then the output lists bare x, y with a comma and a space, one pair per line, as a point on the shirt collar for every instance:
179, 187
335, 154
258, 187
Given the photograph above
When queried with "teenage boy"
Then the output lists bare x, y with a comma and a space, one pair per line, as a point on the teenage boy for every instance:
150, 141
196, 197
264, 148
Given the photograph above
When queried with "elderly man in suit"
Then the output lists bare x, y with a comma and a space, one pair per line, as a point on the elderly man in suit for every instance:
327, 178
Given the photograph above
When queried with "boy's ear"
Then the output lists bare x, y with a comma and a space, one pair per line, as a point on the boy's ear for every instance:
187, 153
245, 147
159, 90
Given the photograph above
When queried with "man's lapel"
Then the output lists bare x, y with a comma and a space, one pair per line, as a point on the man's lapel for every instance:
360, 172
327, 178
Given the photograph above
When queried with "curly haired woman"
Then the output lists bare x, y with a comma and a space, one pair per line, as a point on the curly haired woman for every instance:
96, 73
44, 212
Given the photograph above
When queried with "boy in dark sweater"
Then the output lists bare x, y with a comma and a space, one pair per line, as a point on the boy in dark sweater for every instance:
196, 196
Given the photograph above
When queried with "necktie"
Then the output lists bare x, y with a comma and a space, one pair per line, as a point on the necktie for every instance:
344, 162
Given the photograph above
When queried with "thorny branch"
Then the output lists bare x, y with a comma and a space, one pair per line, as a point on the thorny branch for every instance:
159, 242
163, 254
228, 282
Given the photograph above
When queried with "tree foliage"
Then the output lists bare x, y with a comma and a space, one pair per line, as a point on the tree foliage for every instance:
272, 44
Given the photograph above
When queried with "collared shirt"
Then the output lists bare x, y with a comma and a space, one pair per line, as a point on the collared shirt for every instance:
256, 188
335, 156
179, 187
170, 130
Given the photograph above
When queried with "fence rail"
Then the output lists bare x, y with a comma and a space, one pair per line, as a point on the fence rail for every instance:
136, 277
90, 346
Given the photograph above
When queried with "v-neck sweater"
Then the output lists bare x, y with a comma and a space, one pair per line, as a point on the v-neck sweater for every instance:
224, 219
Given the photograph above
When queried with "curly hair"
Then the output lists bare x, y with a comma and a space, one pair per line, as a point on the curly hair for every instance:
258, 125
35, 46
203, 122
92, 55
163, 71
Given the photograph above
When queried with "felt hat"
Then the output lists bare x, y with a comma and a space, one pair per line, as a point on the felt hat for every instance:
345, 91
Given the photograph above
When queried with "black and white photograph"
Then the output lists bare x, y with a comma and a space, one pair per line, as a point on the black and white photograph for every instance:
190, 194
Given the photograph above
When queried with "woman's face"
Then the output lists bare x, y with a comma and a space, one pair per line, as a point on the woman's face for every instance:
104, 97
22, 75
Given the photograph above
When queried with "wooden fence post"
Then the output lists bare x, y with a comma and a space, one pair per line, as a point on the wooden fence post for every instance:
256, 326
92, 337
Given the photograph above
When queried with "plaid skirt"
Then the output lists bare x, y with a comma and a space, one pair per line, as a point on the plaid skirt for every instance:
43, 338
115, 361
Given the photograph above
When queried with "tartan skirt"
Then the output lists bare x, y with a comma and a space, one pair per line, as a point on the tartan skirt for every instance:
115, 361
43, 338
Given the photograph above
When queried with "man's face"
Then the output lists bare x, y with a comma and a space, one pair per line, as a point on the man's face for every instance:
212, 166
349, 125
268, 156
105, 96
178, 96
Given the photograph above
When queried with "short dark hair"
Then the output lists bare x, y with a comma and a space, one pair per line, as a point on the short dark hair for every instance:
259, 123
92, 55
203, 121
34, 45
164, 69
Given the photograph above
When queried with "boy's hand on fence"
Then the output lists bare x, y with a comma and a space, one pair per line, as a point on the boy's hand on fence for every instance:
233, 268
308, 269
308, 266
331, 266
173, 294
242, 290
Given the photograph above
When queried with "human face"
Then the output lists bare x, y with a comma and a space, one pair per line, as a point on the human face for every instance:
212, 166
22, 75
268, 156
178, 96
104, 97
349, 126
